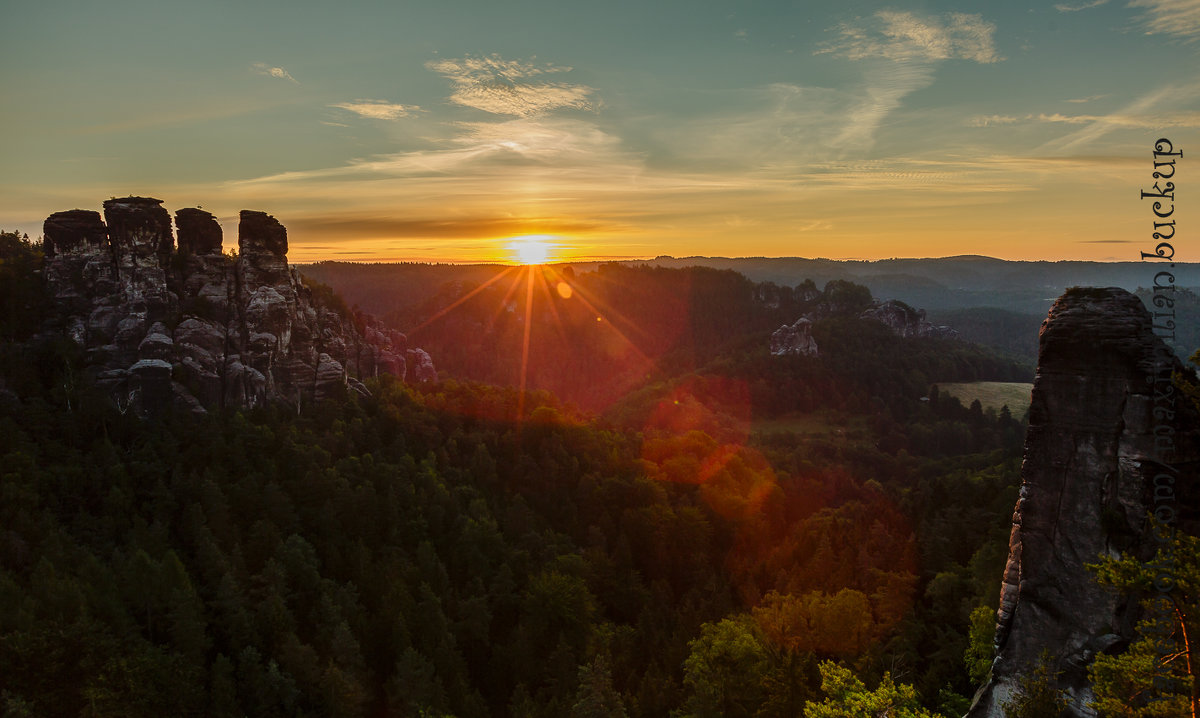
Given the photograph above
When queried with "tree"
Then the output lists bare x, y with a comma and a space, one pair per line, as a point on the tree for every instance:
596, 697
1037, 695
723, 673
979, 654
1155, 675
848, 697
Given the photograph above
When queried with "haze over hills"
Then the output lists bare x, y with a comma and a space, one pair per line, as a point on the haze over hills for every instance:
996, 303
952, 282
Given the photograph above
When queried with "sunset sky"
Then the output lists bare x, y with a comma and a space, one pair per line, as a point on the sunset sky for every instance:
440, 130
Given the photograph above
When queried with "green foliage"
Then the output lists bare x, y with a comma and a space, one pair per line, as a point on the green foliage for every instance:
723, 673
325, 296
1155, 675
978, 657
596, 697
848, 697
1037, 694
845, 298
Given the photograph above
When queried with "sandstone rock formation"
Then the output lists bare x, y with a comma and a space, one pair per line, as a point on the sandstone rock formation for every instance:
905, 321
1094, 447
796, 339
193, 327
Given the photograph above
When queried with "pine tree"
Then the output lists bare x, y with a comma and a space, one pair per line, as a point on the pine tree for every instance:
1155, 675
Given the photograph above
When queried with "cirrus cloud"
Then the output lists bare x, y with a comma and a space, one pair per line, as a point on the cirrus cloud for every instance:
1180, 18
506, 87
894, 35
1063, 7
378, 109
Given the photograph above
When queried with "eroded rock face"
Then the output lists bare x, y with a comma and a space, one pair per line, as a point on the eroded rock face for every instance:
796, 339
74, 230
199, 232
1087, 488
138, 225
197, 328
905, 321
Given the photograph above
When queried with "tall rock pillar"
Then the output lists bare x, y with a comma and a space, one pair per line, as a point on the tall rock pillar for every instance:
1087, 489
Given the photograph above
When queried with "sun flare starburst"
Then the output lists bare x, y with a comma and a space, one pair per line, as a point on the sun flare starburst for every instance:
531, 248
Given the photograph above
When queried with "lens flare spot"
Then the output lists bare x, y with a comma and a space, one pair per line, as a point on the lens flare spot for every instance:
564, 290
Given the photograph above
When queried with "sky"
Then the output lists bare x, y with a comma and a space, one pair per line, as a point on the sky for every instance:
438, 131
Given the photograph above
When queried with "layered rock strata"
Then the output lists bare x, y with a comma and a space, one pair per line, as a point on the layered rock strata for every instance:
1099, 436
189, 326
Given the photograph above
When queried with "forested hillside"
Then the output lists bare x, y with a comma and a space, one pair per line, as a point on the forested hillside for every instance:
417, 551
593, 337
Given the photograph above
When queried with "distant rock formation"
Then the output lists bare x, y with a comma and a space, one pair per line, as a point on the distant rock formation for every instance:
797, 339
196, 328
1092, 453
794, 340
905, 321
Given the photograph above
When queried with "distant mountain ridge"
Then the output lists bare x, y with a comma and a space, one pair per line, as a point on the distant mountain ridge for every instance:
952, 282
993, 302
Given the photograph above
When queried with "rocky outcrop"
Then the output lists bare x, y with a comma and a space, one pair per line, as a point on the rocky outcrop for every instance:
905, 321
195, 328
795, 339
1098, 438
199, 232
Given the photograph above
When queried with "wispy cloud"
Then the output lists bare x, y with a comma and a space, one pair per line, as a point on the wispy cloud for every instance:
482, 225
1089, 98
991, 120
279, 73
1136, 121
506, 87
1131, 117
888, 85
1155, 109
378, 109
1180, 18
1063, 7
894, 35
912, 45
552, 152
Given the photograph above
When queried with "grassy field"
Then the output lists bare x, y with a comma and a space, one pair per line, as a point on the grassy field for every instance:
992, 394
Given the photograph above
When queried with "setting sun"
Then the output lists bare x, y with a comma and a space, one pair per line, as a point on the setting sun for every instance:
531, 248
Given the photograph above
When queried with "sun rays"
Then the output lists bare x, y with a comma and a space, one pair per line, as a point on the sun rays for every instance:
554, 300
